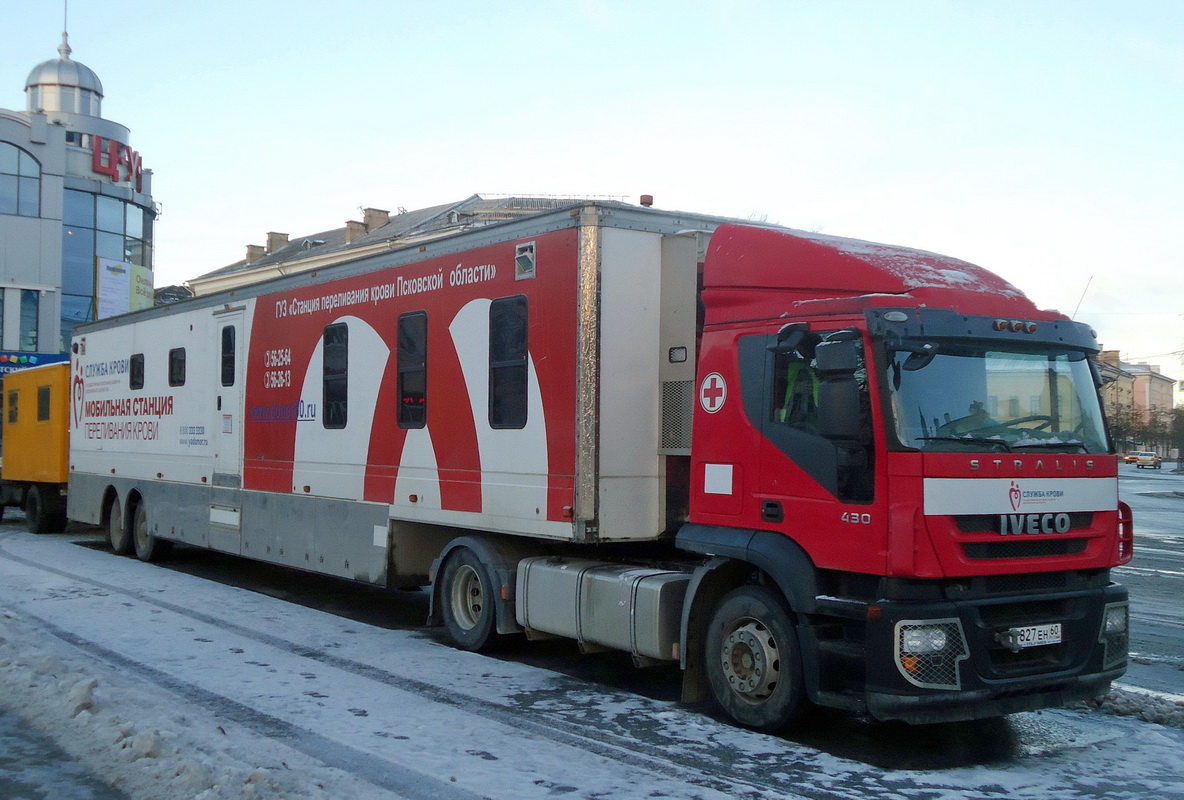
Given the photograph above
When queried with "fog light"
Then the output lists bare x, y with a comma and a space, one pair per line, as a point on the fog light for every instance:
924, 641
1115, 621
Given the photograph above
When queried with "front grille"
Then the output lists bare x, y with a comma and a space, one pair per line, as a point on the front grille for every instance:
1026, 582
1026, 612
1038, 548
1008, 663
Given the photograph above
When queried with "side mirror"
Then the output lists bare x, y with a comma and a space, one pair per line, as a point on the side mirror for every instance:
790, 336
839, 406
841, 356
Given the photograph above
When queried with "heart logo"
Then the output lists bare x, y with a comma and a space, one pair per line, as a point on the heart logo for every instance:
79, 394
1015, 496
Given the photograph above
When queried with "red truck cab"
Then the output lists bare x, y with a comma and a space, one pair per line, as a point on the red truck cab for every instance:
915, 460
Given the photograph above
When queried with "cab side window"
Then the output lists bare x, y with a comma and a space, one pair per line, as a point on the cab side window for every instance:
796, 385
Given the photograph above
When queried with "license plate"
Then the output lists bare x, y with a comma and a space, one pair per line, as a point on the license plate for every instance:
1035, 635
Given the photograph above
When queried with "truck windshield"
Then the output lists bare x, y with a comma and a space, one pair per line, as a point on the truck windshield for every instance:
970, 397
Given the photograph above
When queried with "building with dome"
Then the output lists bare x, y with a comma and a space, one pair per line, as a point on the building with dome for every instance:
76, 214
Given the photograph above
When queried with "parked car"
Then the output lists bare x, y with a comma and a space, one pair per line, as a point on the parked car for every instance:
1147, 460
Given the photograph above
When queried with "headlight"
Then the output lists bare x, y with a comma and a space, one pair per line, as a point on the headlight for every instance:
924, 640
929, 652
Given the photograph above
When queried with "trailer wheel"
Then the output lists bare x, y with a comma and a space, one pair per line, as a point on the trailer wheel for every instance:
147, 546
44, 512
753, 663
118, 534
467, 601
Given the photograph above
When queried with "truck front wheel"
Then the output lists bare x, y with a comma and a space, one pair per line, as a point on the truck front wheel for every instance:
752, 659
467, 601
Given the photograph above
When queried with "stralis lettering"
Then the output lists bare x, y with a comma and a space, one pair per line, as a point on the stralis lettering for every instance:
160, 406
1000, 464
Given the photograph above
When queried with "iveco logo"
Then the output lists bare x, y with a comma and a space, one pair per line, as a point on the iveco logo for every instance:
1033, 523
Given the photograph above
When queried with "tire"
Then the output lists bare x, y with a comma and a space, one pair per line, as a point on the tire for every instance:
148, 547
34, 511
118, 534
466, 600
43, 511
752, 659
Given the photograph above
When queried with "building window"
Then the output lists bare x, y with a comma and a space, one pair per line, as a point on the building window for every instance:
135, 372
507, 362
20, 182
413, 370
43, 404
335, 381
30, 307
177, 366
98, 226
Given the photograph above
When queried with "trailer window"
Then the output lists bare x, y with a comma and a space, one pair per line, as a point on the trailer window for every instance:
43, 404
12, 396
507, 362
135, 373
228, 352
413, 370
177, 366
335, 371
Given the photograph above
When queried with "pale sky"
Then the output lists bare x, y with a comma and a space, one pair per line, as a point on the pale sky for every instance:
1043, 140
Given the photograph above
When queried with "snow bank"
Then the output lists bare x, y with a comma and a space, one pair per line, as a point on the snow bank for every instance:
1130, 701
140, 741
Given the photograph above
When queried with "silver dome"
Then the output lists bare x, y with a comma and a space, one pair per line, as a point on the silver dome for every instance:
62, 84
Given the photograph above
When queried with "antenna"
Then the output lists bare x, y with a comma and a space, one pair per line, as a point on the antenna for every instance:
1083, 291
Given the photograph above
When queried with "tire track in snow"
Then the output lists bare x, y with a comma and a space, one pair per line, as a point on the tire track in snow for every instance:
685, 768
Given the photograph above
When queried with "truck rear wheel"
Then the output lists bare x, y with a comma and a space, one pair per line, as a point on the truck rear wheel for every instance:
753, 663
43, 511
118, 534
467, 601
147, 546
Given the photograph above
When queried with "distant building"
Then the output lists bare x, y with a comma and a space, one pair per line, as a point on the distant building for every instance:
76, 212
378, 232
1118, 385
1153, 391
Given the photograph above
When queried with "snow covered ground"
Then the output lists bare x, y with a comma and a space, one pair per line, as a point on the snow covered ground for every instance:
165, 686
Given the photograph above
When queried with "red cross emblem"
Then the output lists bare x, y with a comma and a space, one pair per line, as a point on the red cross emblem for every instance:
713, 391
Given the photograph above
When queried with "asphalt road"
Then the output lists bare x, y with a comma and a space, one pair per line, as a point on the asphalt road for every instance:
1155, 577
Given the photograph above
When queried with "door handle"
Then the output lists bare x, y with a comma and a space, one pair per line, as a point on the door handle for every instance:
771, 511
219, 402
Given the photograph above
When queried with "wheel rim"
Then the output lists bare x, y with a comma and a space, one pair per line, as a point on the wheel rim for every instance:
467, 597
750, 661
142, 537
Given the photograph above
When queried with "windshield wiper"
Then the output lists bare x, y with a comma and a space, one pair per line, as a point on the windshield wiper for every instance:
1019, 445
967, 439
